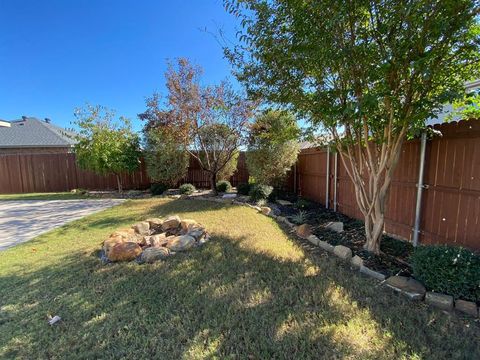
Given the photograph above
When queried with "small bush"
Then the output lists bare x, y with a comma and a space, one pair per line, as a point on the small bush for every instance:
79, 191
243, 189
300, 217
224, 186
447, 269
187, 189
303, 204
260, 192
158, 189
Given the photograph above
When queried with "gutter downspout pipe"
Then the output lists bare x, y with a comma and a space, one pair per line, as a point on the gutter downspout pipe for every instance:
420, 187
335, 182
327, 180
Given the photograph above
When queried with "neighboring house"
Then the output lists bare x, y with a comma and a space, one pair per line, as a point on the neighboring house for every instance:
31, 135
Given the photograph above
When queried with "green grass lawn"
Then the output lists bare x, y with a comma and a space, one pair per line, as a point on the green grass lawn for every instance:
250, 293
43, 196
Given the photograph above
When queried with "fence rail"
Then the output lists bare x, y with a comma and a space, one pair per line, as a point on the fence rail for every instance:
450, 211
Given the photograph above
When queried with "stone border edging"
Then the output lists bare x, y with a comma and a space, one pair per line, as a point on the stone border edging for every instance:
438, 300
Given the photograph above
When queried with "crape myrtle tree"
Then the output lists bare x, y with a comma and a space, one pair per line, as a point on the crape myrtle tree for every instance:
272, 146
369, 72
105, 146
209, 121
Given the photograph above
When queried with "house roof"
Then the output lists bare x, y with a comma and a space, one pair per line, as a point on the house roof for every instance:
32, 132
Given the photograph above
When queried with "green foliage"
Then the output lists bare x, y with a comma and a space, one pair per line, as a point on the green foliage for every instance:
300, 217
166, 157
105, 146
243, 189
448, 269
273, 147
303, 204
158, 188
187, 189
466, 108
224, 186
260, 192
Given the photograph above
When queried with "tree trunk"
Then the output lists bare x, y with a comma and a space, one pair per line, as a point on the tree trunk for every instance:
119, 183
213, 182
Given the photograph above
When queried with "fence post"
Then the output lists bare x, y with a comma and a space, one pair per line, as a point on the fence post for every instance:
335, 182
327, 188
420, 186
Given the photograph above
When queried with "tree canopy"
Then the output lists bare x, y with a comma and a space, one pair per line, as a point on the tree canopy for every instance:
370, 72
104, 145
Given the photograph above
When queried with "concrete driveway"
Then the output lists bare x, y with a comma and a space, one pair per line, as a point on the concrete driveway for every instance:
23, 220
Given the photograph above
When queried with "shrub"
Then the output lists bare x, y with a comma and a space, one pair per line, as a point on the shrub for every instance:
224, 186
300, 217
260, 192
447, 269
158, 188
243, 189
187, 189
302, 204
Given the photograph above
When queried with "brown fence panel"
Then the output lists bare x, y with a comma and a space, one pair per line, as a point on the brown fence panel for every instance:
28, 173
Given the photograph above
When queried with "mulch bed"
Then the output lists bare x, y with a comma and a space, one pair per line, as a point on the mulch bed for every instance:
394, 259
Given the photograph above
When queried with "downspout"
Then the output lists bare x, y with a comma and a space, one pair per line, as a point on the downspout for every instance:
335, 182
420, 187
327, 181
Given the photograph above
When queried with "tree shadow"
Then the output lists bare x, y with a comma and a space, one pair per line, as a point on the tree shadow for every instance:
220, 300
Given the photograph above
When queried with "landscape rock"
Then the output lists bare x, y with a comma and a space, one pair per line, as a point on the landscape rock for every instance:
412, 288
125, 251
142, 228
158, 240
181, 243
172, 222
189, 225
441, 301
372, 273
336, 226
467, 307
155, 223
229, 196
284, 202
304, 231
111, 242
357, 261
343, 252
265, 210
313, 239
152, 254
197, 234
326, 246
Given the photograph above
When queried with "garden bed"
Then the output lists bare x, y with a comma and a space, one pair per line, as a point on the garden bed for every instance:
394, 259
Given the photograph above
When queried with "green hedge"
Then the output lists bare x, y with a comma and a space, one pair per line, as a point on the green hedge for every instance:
449, 270
260, 192
224, 186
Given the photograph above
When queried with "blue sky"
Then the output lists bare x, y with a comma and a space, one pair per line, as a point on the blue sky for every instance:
56, 55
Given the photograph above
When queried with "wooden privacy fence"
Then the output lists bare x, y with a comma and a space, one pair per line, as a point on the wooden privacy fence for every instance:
27, 173
450, 211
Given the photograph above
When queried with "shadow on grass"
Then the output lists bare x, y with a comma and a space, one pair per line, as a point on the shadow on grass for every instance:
221, 300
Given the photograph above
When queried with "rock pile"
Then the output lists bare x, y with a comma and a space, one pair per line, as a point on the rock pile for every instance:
154, 239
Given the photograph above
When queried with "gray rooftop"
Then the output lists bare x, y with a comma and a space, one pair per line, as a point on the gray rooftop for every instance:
32, 132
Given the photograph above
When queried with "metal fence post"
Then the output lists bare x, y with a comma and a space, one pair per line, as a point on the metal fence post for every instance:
327, 188
420, 186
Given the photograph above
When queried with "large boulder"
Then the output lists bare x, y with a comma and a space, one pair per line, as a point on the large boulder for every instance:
152, 254
125, 251
181, 243
304, 231
142, 228
171, 223
111, 242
